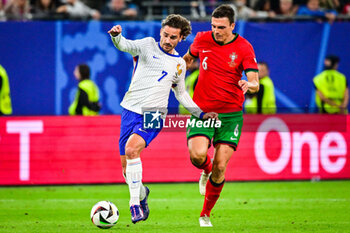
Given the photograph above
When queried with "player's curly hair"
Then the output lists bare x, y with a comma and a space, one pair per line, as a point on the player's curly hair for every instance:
178, 21
224, 11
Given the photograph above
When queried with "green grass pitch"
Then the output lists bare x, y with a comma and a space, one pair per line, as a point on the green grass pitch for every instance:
243, 207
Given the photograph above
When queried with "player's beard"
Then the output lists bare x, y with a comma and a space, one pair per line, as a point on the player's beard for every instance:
167, 47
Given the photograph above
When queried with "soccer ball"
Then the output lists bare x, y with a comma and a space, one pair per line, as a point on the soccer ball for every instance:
104, 214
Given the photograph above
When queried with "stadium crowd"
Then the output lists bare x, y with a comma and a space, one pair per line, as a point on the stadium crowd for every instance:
281, 10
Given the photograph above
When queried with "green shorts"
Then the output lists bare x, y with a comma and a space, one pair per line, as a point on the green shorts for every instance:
228, 133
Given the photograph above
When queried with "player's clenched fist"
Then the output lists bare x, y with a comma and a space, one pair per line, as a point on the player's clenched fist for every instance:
115, 30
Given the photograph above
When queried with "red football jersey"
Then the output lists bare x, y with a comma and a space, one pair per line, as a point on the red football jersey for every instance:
221, 67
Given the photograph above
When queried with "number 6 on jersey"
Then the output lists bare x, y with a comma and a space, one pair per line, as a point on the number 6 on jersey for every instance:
205, 64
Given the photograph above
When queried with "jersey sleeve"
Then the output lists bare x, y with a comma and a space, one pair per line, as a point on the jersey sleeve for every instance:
182, 95
249, 61
194, 48
134, 47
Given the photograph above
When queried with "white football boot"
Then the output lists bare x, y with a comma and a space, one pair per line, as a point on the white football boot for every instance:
203, 182
205, 221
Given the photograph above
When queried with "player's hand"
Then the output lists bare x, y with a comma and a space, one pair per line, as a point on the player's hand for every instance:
244, 85
212, 115
115, 30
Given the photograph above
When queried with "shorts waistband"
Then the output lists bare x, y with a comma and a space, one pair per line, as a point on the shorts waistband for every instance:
231, 114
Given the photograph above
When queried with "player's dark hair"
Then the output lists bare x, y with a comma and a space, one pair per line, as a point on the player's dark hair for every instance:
84, 71
333, 59
178, 21
224, 11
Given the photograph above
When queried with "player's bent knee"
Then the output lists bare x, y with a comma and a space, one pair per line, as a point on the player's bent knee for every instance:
198, 153
197, 162
219, 169
197, 158
132, 153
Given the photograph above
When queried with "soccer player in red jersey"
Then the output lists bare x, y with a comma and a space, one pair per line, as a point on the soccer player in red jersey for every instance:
223, 55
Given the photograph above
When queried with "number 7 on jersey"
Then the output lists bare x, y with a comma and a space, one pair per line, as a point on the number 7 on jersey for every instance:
164, 73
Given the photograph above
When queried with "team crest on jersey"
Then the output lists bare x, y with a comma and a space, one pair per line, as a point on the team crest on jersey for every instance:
233, 57
179, 71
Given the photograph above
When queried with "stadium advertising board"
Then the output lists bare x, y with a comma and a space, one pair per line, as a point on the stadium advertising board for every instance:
47, 60
70, 150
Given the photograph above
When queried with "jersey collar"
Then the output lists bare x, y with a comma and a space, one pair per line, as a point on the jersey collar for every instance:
173, 55
219, 43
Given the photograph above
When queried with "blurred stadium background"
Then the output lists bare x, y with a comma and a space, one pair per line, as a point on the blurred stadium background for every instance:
41, 145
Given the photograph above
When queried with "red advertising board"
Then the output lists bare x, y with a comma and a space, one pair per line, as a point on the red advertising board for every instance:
71, 150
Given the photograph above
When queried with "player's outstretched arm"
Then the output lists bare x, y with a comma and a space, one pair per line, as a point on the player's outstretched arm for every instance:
185, 99
133, 47
252, 85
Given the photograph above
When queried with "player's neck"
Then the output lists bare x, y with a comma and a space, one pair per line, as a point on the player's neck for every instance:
230, 38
